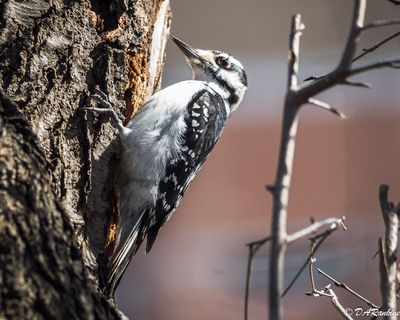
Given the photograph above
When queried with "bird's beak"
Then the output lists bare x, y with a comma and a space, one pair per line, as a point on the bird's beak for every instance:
188, 51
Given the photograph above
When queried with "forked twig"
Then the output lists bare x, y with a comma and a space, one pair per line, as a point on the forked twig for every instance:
259, 243
348, 289
315, 242
327, 292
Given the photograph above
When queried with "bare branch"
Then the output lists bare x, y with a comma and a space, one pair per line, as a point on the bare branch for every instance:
284, 174
339, 76
311, 274
336, 304
248, 278
309, 260
333, 224
381, 23
253, 248
354, 35
376, 46
342, 71
395, 64
396, 2
316, 242
326, 106
387, 253
294, 51
296, 96
348, 289
326, 292
259, 243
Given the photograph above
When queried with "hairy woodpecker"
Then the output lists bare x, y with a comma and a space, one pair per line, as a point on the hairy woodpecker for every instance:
165, 144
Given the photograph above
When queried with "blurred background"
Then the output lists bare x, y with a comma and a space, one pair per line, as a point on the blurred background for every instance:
196, 269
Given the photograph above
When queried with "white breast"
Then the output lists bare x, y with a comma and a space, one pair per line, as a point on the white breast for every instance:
152, 137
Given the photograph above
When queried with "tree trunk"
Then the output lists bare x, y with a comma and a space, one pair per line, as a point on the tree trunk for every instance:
57, 162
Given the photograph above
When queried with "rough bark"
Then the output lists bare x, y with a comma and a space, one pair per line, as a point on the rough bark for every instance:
57, 162
42, 275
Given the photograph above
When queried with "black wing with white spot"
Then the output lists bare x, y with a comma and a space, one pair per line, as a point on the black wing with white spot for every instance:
205, 120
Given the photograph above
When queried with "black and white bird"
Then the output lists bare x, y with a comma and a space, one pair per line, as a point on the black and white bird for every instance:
165, 144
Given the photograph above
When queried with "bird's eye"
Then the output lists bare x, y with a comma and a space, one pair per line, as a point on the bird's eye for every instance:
223, 62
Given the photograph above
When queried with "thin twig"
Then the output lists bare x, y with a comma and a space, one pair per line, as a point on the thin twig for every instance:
253, 248
348, 289
311, 273
344, 68
304, 265
316, 242
326, 292
339, 76
381, 23
396, 2
376, 46
333, 223
336, 304
395, 64
357, 84
259, 243
248, 276
325, 106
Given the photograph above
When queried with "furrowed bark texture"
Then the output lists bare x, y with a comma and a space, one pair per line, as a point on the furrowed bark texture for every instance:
42, 275
53, 54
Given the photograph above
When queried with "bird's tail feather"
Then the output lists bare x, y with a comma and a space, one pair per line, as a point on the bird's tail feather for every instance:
122, 255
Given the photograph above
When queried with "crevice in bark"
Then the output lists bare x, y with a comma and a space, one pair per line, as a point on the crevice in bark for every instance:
42, 274
109, 13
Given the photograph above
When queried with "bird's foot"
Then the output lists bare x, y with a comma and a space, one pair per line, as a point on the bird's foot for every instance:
102, 99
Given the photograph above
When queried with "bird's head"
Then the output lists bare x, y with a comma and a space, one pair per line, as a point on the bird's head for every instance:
221, 70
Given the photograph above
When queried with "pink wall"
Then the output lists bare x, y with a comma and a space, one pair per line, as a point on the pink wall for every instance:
197, 267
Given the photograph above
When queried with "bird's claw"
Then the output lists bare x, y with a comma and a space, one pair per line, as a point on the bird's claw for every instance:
101, 94
101, 98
